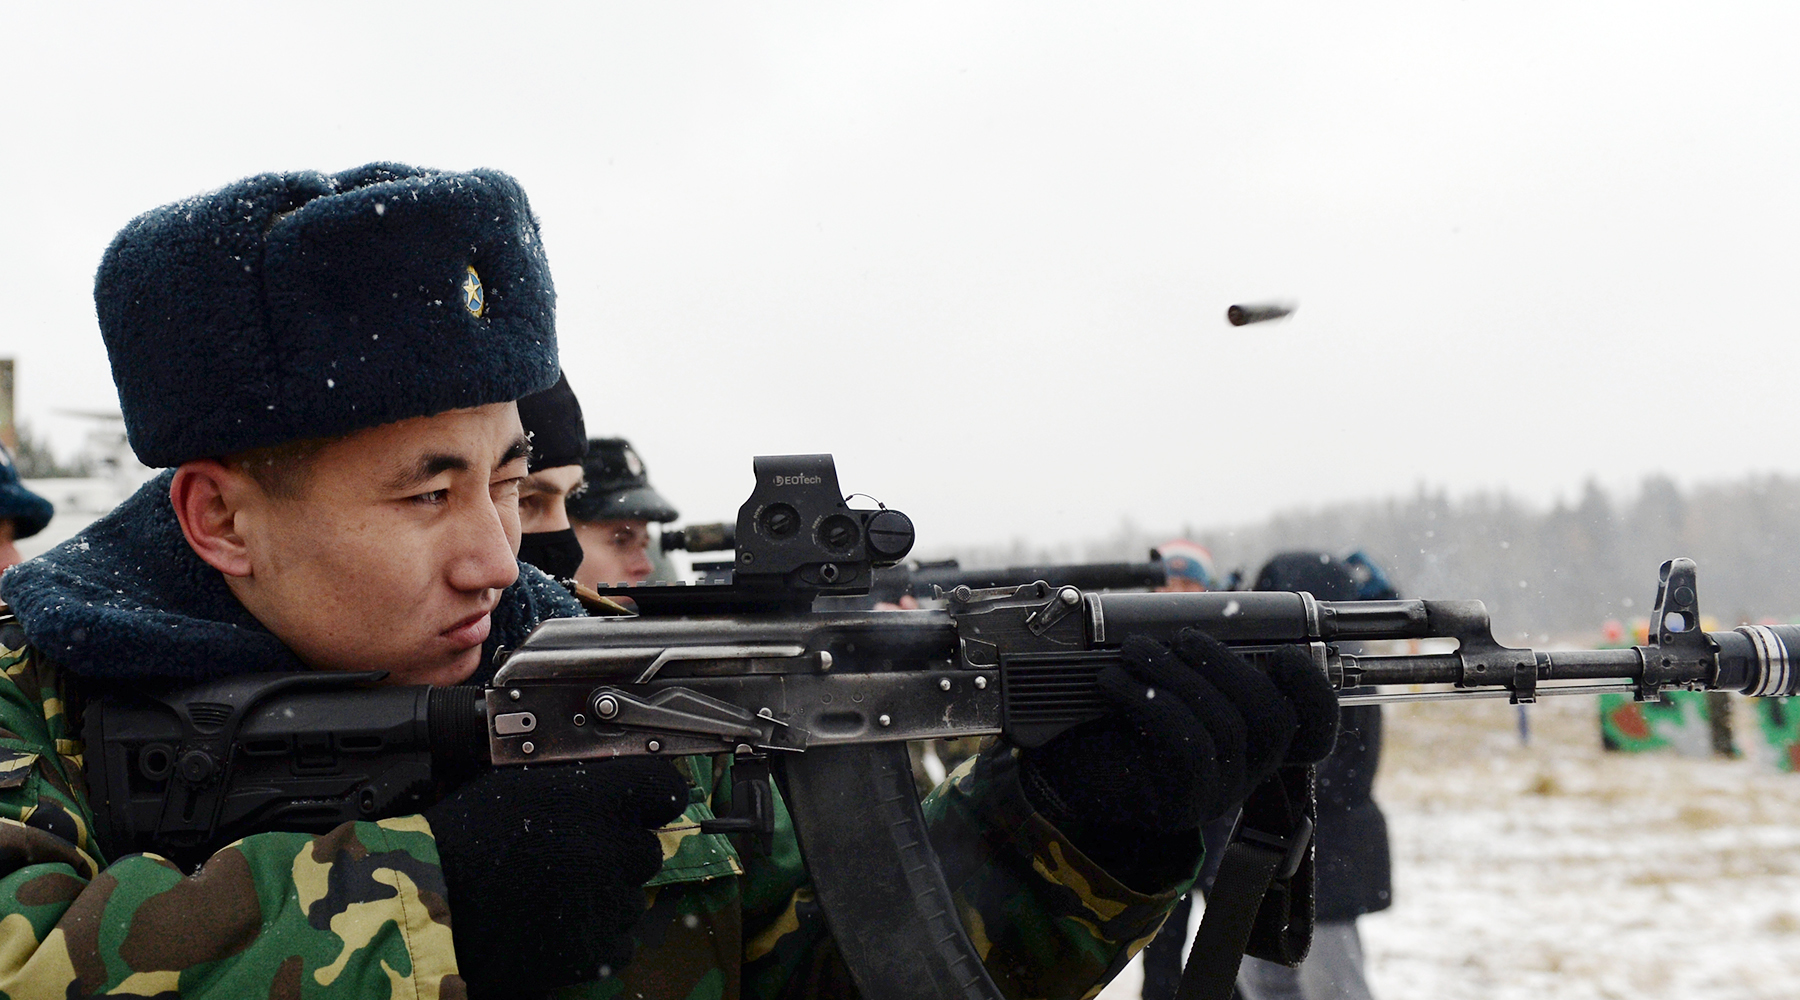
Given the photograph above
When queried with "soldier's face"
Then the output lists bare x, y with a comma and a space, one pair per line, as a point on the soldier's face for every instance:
397, 549
613, 552
541, 499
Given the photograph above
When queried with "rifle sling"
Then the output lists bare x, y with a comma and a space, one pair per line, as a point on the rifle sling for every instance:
1261, 903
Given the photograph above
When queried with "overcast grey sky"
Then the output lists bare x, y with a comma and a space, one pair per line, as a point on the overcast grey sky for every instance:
982, 252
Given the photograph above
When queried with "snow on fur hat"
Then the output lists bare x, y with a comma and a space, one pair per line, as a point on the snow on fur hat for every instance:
303, 305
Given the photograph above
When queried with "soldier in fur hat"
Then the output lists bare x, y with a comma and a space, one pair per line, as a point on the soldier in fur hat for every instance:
327, 366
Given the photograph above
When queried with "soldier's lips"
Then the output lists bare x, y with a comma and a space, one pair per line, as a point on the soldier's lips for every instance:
471, 631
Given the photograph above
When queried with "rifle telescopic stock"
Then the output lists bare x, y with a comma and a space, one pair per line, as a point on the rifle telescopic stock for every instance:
180, 773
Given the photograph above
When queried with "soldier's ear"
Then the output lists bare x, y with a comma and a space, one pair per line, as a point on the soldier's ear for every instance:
208, 498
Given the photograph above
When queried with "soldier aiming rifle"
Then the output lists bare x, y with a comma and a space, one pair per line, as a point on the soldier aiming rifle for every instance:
327, 369
306, 660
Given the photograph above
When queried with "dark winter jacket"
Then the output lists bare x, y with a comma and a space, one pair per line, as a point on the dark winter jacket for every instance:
1352, 852
1352, 843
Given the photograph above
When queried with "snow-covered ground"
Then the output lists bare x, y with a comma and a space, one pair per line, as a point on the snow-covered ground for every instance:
1558, 872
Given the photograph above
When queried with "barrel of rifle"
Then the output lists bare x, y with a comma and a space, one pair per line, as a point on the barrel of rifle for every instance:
1755, 660
1758, 660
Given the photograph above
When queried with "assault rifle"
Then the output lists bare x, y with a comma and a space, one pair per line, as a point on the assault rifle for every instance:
821, 702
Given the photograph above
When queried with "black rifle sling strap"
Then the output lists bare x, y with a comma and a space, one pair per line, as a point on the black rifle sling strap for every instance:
1261, 903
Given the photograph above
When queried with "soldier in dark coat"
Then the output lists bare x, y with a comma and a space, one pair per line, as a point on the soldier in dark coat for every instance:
1351, 835
1351, 844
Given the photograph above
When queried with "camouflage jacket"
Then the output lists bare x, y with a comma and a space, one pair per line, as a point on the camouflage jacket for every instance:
361, 911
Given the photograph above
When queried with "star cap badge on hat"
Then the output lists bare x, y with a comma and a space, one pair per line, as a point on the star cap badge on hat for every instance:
472, 299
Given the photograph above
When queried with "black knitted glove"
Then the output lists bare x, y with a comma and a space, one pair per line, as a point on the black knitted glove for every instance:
546, 868
1193, 731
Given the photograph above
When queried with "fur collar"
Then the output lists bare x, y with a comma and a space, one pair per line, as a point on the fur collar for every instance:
127, 599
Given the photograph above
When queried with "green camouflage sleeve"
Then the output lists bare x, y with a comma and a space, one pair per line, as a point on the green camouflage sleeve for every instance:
358, 912
1047, 921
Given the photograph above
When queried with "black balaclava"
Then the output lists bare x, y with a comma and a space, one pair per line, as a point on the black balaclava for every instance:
557, 553
1318, 573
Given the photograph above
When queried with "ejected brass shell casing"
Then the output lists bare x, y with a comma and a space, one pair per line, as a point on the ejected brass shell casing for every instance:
1262, 312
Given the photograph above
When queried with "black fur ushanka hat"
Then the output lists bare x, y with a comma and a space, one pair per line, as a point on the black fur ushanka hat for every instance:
304, 305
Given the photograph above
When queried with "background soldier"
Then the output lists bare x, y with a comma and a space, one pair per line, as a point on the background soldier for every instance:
22, 512
552, 420
612, 515
1352, 859
1189, 565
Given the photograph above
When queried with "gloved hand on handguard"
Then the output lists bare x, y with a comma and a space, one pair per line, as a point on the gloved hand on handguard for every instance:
1194, 729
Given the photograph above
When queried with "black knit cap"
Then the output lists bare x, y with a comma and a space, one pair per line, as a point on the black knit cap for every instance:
303, 305
552, 420
29, 512
1318, 573
618, 487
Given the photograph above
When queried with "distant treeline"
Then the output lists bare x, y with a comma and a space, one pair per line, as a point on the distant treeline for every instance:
35, 460
1558, 573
